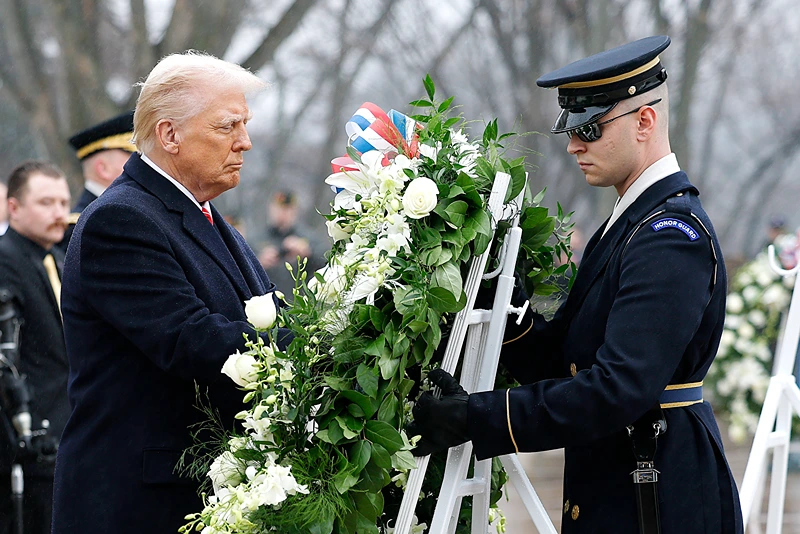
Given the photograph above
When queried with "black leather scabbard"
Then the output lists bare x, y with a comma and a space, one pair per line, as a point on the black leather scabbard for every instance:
644, 437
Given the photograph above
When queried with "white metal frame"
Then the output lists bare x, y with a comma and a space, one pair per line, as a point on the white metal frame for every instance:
483, 330
774, 430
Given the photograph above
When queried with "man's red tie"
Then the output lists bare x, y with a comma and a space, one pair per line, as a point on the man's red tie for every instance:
208, 215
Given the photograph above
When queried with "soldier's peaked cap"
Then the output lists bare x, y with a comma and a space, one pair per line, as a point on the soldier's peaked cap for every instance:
589, 88
113, 133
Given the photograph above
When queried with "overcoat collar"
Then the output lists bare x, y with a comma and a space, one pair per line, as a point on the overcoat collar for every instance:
217, 241
601, 247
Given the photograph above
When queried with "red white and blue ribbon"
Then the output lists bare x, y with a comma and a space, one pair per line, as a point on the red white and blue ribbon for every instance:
370, 128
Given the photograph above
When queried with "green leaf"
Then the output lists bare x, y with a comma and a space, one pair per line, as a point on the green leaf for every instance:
421, 104
406, 299
384, 434
444, 257
465, 182
344, 480
356, 411
448, 277
366, 506
377, 347
365, 525
429, 257
381, 457
377, 317
335, 433
455, 212
403, 460
373, 477
368, 380
444, 105
400, 346
518, 179
388, 366
430, 88
388, 410
539, 197
360, 454
442, 300
533, 216
417, 326
537, 236
369, 406
338, 383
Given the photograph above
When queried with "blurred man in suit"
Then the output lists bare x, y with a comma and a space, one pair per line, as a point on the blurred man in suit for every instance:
154, 286
103, 149
38, 205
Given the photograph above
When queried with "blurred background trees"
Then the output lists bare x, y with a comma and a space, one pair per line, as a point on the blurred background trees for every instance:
65, 64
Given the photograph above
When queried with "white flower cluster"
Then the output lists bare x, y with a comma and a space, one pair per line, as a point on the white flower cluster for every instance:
741, 371
377, 200
240, 487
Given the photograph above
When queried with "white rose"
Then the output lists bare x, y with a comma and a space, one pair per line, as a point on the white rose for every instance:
225, 471
261, 311
336, 232
420, 197
241, 368
735, 304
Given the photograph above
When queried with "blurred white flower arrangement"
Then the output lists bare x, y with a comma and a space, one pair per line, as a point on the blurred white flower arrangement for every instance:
739, 376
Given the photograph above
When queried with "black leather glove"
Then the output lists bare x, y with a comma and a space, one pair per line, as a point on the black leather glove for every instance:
442, 422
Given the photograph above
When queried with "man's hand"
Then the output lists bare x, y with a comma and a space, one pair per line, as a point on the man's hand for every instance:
442, 423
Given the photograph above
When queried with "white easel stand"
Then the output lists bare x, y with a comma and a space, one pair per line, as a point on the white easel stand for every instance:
482, 355
774, 430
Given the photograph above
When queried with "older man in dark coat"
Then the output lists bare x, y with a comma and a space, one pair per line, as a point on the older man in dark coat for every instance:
154, 286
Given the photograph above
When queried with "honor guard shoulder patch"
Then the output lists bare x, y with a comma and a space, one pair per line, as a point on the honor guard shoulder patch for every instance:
661, 224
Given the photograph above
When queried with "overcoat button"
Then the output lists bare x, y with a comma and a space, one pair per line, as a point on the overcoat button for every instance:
573, 369
575, 512
566, 506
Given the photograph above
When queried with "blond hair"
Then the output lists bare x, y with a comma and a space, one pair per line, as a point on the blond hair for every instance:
178, 88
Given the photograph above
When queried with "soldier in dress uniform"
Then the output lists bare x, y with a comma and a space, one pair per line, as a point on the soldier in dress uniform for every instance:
616, 377
102, 149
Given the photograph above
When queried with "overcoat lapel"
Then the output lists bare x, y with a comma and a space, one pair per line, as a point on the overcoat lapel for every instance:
601, 247
253, 281
194, 222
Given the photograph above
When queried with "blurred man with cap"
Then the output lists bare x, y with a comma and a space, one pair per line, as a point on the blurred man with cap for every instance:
102, 149
616, 377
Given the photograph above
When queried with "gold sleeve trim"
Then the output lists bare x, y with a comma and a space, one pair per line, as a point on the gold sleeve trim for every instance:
672, 387
525, 333
508, 420
680, 404
73, 218
122, 141
604, 81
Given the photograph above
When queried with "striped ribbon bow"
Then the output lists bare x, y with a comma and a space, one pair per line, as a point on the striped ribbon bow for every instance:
370, 128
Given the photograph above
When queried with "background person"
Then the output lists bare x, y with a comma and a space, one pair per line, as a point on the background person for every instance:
30, 267
154, 287
633, 341
102, 149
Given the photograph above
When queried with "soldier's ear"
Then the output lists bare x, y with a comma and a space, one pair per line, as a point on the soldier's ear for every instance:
646, 126
168, 136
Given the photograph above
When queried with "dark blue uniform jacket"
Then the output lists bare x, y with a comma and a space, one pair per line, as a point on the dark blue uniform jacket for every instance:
646, 310
152, 301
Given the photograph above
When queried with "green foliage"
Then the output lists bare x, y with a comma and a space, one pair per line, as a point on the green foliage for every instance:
358, 361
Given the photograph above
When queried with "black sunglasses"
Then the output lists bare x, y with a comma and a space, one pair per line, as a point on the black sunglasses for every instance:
591, 132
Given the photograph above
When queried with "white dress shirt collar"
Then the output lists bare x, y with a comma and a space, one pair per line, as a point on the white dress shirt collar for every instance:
666, 166
176, 183
94, 188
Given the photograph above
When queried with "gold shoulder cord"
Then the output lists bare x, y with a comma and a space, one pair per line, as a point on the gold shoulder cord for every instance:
525, 333
508, 420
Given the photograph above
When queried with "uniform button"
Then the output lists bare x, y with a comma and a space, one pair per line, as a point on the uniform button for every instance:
566, 506
679, 195
573, 369
575, 512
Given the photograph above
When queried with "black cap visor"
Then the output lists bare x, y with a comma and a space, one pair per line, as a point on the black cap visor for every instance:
569, 119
